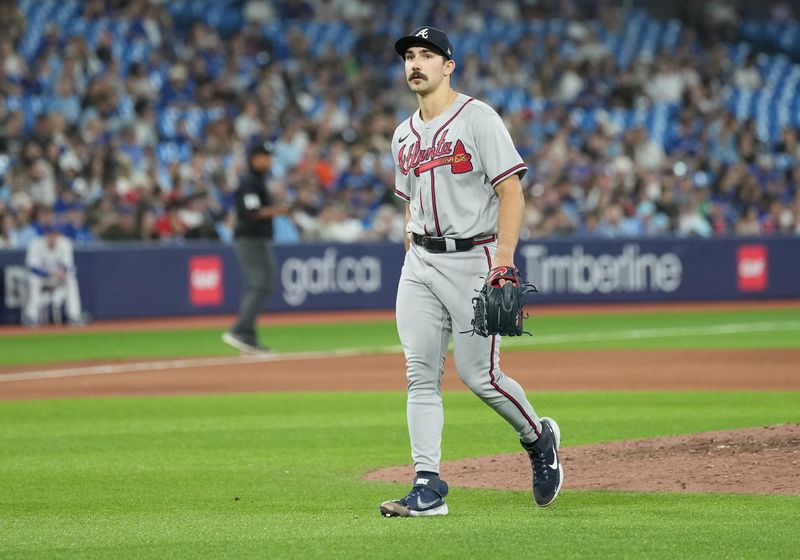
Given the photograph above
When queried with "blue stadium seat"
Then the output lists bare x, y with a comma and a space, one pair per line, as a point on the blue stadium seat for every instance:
173, 152
195, 119
166, 121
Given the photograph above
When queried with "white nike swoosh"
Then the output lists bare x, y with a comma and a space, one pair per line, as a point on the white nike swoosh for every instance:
554, 465
424, 505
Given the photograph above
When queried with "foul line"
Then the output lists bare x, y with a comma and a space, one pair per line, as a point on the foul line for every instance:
537, 340
141, 367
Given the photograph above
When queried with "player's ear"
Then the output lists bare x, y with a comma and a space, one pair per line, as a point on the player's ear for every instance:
449, 66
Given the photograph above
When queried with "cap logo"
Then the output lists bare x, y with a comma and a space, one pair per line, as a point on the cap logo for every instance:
423, 33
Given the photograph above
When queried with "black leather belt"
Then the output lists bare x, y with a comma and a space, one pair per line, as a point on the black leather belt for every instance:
448, 244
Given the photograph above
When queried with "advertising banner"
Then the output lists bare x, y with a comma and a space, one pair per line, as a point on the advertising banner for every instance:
157, 281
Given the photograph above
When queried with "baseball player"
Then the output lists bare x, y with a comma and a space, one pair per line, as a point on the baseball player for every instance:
459, 173
51, 268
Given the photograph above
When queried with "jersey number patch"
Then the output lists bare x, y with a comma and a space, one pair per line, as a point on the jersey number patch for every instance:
252, 202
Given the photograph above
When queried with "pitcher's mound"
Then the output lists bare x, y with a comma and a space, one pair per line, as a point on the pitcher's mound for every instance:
749, 461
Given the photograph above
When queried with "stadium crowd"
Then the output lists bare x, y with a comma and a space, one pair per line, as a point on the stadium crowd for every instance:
129, 121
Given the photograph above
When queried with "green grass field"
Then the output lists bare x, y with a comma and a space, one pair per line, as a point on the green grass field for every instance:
279, 475
720, 329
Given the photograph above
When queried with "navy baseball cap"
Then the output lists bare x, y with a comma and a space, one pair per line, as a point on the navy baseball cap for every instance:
426, 35
266, 147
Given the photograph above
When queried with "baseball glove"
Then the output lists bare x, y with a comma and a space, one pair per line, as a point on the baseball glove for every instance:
498, 309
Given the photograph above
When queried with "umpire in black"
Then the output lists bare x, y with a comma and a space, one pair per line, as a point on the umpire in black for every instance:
255, 209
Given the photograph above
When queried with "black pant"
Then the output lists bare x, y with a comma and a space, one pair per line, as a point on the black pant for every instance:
257, 262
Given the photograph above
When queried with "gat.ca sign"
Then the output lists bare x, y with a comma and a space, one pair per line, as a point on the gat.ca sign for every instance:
329, 274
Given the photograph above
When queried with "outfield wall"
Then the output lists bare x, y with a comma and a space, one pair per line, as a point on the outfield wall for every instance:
143, 281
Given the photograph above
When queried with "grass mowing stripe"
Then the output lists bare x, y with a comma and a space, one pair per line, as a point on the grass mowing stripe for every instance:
658, 332
540, 340
76, 345
44, 347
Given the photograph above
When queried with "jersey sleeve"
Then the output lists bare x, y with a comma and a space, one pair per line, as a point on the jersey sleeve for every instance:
34, 258
66, 255
402, 185
496, 149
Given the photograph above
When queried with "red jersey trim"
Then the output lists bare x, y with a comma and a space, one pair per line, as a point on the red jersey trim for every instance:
505, 174
402, 195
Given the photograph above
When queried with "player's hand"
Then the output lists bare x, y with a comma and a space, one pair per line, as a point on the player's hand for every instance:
271, 211
501, 259
282, 209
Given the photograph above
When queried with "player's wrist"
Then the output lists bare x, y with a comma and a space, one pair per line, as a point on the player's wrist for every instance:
503, 258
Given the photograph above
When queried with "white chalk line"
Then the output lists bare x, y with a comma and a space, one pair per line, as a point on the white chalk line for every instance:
142, 367
537, 340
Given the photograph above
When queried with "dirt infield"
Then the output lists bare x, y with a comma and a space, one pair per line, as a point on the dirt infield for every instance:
751, 461
537, 371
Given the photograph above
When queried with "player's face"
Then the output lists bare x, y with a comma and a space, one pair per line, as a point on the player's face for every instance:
261, 162
426, 69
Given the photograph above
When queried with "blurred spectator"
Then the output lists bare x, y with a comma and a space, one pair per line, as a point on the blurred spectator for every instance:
6, 242
692, 222
120, 223
249, 124
334, 225
747, 77
387, 225
750, 223
75, 226
647, 154
667, 85
18, 221
170, 224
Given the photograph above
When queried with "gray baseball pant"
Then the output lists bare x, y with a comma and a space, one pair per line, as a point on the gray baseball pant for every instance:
434, 300
257, 261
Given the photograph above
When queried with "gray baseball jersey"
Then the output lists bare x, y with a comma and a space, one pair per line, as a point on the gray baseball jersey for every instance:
447, 169
43, 262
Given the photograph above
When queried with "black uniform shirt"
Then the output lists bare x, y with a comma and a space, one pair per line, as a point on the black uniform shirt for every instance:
251, 196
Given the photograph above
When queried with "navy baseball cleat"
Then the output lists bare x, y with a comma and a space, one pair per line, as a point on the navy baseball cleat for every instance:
426, 499
243, 344
547, 471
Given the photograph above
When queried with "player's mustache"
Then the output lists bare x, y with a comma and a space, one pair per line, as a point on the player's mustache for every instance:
416, 75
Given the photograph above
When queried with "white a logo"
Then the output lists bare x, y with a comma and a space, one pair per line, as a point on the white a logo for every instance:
423, 33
